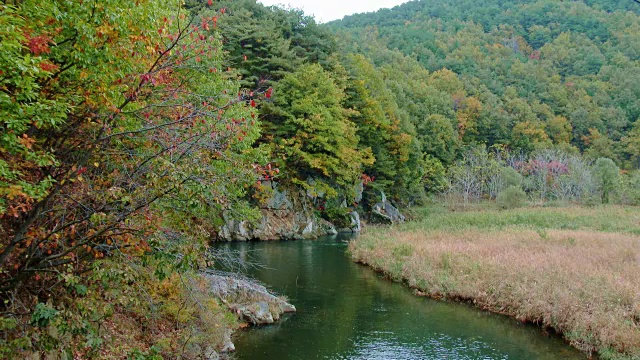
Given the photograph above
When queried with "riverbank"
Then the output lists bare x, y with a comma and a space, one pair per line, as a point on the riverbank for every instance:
572, 269
189, 316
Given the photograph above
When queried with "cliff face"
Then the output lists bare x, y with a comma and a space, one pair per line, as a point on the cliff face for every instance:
277, 224
291, 215
286, 216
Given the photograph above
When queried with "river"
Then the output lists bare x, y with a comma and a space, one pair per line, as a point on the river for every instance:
347, 311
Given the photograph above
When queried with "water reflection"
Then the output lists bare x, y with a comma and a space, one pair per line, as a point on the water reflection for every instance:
346, 311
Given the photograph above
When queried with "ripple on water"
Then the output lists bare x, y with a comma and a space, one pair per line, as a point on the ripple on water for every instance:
347, 311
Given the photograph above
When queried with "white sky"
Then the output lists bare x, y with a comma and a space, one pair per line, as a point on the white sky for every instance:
327, 10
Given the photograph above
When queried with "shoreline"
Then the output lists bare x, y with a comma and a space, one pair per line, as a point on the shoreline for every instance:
565, 281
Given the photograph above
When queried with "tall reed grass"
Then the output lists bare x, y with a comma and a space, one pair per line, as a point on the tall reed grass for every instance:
575, 270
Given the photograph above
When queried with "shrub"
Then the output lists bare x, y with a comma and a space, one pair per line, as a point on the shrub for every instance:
512, 197
511, 177
336, 214
631, 188
607, 176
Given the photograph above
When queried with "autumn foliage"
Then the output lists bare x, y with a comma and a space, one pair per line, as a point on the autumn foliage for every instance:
112, 113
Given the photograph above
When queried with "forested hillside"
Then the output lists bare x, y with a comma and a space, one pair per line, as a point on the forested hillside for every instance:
330, 121
522, 74
400, 96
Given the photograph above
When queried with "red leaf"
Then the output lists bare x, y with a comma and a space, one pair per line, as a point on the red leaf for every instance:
46, 66
39, 44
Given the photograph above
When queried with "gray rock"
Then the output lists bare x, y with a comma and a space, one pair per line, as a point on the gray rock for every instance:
227, 345
235, 229
328, 227
387, 212
359, 190
279, 199
313, 192
308, 230
356, 225
250, 301
256, 313
210, 353
285, 217
285, 308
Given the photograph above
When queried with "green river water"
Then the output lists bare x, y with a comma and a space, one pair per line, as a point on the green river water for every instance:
347, 311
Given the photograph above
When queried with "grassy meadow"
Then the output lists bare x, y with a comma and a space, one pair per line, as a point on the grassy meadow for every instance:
575, 270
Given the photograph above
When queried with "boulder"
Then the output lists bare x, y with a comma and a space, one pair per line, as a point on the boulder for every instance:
355, 226
359, 191
246, 298
256, 313
211, 353
327, 227
250, 301
227, 345
386, 212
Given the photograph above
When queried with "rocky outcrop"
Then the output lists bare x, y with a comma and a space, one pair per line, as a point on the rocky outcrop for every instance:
250, 301
284, 217
355, 226
276, 224
291, 215
386, 212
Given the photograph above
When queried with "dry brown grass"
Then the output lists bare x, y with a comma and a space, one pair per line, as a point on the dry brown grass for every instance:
582, 283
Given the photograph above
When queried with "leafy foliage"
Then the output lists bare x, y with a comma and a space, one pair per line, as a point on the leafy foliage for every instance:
531, 74
130, 131
512, 197
311, 132
120, 136
607, 177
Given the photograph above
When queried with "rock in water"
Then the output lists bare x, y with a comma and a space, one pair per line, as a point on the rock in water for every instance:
249, 300
228, 345
256, 313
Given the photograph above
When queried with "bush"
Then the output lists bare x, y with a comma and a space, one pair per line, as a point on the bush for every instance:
511, 177
512, 197
630, 188
336, 214
607, 176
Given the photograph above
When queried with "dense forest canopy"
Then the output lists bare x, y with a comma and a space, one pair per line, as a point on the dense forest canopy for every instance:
426, 81
544, 73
